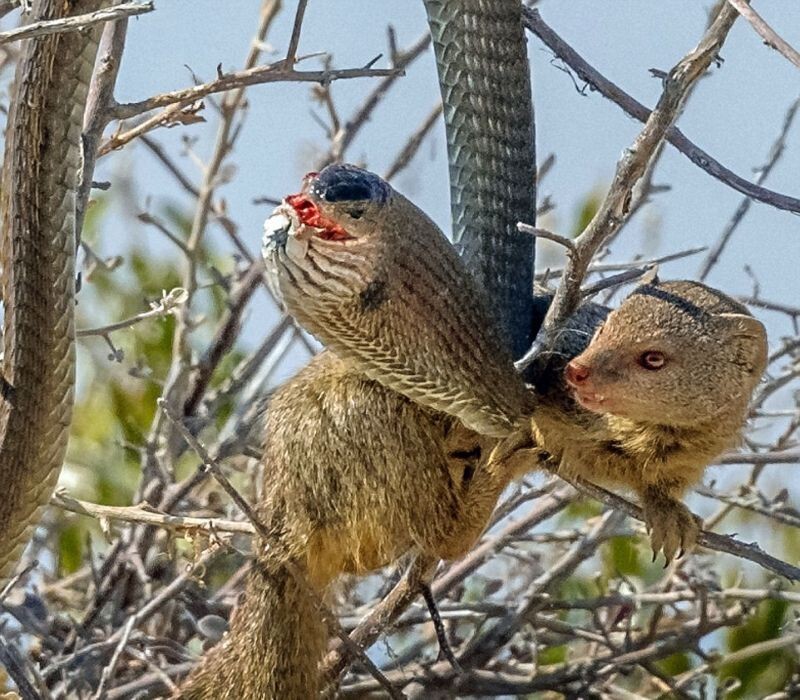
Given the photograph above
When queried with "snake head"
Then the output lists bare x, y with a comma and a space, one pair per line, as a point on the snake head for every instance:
337, 204
315, 238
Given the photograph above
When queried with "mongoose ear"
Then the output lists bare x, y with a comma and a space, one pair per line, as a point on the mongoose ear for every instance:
754, 334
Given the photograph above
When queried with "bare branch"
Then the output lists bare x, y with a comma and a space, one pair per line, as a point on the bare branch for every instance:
711, 540
291, 53
257, 75
615, 208
409, 150
535, 23
77, 23
775, 154
767, 33
163, 307
149, 516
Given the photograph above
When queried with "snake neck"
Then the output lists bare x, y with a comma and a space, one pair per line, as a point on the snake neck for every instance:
485, 83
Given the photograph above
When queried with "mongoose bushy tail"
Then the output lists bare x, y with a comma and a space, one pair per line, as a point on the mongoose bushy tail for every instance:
273, 647
355, 475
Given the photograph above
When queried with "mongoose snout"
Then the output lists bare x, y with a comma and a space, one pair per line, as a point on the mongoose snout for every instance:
581, 380
576, 374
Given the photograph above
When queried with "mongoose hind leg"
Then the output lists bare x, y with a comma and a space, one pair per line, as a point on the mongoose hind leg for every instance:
672, 526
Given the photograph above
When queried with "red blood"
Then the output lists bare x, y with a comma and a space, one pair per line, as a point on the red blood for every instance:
308, 213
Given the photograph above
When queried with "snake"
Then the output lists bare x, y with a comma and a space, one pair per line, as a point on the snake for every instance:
373, 278
484, 79
370, 275
37, 256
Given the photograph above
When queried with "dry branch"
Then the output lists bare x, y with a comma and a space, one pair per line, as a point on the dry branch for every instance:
535, 23
615, 207
77, 23
767, 33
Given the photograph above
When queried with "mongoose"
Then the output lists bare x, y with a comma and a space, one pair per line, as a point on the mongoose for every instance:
359, 470
356, 472
661, 390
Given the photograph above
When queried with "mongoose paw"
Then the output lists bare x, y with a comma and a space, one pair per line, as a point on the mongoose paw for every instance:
672, 526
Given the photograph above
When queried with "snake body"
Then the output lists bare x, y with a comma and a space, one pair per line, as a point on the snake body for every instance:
486, 91
369, 274
40, 177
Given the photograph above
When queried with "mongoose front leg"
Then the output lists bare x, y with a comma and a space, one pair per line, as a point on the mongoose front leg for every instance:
672, 526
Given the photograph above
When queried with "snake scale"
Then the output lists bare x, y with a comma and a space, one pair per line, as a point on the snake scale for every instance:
40, 178
486, 91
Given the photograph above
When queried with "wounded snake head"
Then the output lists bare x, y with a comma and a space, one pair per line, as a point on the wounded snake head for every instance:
337, 204
372, 277
313, 234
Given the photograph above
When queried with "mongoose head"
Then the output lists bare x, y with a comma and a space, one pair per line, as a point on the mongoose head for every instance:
673, 353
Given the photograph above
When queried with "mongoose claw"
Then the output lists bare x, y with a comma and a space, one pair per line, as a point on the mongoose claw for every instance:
672, 526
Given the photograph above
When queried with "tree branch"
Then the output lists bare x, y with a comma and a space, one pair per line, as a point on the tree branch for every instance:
615, 207
535, 23
77, 23
767, 33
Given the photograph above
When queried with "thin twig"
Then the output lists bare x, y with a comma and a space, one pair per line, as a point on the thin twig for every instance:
767, 33
534, 22
775, 153
108, 671
164, 307
14, 665
294, 42
77, 23
412, 145
99, 104
257, 75
149, 516
711, 540
563, 241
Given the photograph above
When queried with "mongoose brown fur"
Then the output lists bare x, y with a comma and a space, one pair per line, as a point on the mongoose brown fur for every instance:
661, 390
358, 473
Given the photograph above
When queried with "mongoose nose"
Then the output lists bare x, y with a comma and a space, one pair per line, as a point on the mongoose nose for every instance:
576, 373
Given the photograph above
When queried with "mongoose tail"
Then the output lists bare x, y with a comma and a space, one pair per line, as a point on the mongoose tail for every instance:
275, 643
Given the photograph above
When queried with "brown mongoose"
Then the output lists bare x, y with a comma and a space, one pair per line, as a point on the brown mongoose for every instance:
356, 472
661, 390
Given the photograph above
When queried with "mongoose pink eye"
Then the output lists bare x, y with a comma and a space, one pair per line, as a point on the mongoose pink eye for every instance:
652, 359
